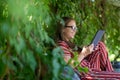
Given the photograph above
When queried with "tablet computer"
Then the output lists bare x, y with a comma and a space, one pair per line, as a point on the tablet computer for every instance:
97, 37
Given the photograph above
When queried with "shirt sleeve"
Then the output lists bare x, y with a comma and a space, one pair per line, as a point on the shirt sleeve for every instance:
66, 49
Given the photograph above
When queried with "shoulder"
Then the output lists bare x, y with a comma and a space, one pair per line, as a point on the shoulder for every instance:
62, 43
66, 49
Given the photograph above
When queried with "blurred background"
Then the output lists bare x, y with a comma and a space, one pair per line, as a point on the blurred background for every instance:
27, 31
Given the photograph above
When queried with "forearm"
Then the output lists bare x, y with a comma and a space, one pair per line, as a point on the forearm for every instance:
80, 57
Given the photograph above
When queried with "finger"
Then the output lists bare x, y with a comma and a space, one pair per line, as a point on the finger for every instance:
96, 48
91, 47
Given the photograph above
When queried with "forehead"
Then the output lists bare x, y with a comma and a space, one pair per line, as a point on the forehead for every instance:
71, 23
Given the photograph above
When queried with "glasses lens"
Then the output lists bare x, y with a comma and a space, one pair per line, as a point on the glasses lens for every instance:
74, 28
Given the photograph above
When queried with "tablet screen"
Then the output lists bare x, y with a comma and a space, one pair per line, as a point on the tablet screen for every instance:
97, 37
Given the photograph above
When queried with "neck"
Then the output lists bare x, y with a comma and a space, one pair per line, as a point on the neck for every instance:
65, 39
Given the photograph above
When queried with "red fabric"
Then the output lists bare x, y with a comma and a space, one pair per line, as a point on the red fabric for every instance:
102, 75
98, 63
98, 60
66, 48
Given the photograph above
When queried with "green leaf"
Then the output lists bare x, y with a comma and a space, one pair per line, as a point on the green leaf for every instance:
82, 69
3, 69
31, 60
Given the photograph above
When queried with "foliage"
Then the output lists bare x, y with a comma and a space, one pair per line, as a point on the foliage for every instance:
27, 47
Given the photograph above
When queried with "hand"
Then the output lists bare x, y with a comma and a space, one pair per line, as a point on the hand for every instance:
87, 50
91, 47
96, 47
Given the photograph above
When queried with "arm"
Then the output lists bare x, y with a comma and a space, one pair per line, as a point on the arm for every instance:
85, 51
68, 53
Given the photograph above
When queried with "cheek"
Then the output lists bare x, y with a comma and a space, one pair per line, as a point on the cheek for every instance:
69, 34
72, 35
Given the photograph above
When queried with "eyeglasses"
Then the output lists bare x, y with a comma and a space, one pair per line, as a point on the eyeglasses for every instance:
74, 28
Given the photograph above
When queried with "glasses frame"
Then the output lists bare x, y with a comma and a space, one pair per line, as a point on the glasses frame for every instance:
74, 28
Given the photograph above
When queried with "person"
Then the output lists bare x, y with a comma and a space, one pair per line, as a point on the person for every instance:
96, 60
